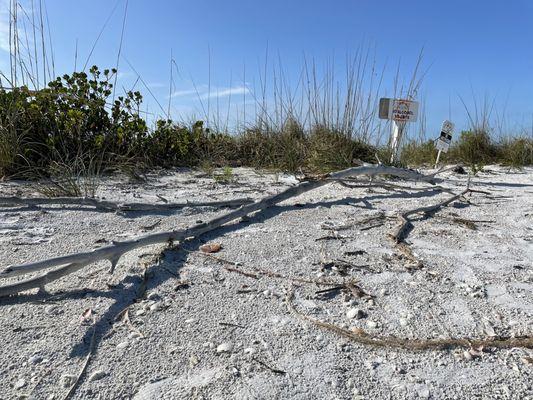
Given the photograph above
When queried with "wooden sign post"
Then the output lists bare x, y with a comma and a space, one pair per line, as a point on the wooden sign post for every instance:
399, 112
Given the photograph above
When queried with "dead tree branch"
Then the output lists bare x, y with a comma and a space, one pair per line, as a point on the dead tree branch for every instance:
104, 205
404, 221
73, 262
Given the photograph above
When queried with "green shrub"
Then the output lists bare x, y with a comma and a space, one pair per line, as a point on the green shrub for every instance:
284, 149
256, 148
174, 145
474, 148
516, 152
226, 176
416, 153
71, 116
220, 149
330, 150
289, 147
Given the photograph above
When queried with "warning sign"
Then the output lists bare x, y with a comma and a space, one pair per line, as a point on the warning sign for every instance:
404, 110
399, 110
445, 138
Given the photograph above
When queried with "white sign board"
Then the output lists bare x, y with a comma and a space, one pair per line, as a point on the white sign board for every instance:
445, 138
404, 110
399, 110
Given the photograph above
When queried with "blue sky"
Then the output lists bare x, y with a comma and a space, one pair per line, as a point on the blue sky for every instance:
471, 48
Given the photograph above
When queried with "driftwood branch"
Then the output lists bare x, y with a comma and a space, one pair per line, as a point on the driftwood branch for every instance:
357, 184
73, 262
404, 221
412, 344
104, 205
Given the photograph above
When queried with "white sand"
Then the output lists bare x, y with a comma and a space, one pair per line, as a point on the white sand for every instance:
475, 283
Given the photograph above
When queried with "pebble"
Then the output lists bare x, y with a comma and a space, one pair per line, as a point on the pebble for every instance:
156, 306
134, 335
372, 324
153, 296
123, 345
423, 392
467, 356
174, 349
355, 313
140, 312
67, 380
249, 350
351, 303
297, 370
193, 361
53, 310
20, 383
97, 375
225, 347
404, 321
36, 359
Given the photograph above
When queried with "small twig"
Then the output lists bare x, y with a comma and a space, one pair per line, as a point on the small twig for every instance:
332, 236
232, 325
126, 319
331, 289
366, 228
356, 290
350, 287
275, 370
85, 364
238, 271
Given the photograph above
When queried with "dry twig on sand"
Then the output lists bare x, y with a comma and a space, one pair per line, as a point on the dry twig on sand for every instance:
400, 232
404, 221
92, 347
412, 344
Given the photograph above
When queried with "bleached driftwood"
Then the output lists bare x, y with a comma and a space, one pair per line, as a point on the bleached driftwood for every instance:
357, 184
404, 220
104, 205
76, 261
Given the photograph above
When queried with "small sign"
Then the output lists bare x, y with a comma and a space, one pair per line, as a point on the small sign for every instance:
445, 138
399, 110
404, 110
